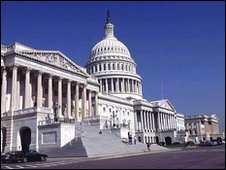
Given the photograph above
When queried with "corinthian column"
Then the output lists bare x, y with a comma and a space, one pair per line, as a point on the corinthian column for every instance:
50, 91
77, 101
4, 87
39, 91
68, 99
90, 104
84, 101
96, 104
60, 97
14, 87
27, 89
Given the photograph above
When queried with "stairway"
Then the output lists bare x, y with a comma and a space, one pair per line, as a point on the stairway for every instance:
90, 143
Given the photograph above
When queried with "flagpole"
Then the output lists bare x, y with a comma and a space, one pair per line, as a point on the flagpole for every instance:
161, 90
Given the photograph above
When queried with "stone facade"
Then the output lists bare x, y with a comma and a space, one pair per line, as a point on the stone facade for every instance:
45, 94
202, 127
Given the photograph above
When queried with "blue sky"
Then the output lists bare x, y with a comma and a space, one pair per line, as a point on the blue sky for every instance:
180, 44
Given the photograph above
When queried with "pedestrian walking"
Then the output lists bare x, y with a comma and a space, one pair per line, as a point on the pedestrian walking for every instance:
135, 140
148, 147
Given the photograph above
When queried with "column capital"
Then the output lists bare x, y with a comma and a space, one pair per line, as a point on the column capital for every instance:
50, 75
14, 67
28, 69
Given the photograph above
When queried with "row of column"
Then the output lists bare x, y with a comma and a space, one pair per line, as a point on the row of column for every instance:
123, 85
111, 66
39, 94
166, 121
147, 120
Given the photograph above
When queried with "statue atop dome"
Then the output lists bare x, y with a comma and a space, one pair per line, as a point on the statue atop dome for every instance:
108, 17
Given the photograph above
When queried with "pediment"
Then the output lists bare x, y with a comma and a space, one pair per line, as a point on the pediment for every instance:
167, 105
55, 58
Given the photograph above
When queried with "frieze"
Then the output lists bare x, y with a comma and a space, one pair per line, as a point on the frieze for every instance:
52, 58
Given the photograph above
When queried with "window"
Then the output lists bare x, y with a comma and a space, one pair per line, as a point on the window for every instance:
113, 66
109, 66
104, 109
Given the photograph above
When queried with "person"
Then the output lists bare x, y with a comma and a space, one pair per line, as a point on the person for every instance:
135, 140
100, 132
148, 147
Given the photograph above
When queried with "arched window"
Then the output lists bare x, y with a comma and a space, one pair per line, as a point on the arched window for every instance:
104, 66
109, 66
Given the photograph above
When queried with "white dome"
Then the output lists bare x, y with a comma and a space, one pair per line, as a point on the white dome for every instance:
110, 46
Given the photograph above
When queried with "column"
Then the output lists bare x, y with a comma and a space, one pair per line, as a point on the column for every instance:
117, 85
13, 90
84, 101
4, 88
148, 120
135, 121
39, 91
153, 121
112, 85
101, 85
142, 120
96, 104
60, 97
76, 101
106, 85
145, 120
90, 104
137, 86
122, 86
159, 125
27, 89
50, 91
68, 113
128, 85
134, 86
140, 88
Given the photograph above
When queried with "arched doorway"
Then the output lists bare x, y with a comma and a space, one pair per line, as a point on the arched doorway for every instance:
4, 132
157, 139
168, 140
25, 136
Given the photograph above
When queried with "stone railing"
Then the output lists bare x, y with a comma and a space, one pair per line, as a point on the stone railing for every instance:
50, 121
32, 110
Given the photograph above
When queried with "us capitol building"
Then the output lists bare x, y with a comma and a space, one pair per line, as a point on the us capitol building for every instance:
45, 97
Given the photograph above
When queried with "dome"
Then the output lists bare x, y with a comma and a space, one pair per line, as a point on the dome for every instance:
111, 63
110, 46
